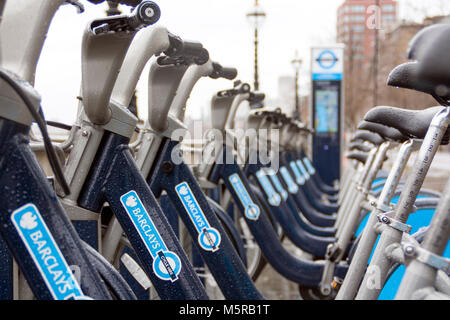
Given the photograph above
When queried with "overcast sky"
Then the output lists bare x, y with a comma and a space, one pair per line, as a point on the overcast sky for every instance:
222, 28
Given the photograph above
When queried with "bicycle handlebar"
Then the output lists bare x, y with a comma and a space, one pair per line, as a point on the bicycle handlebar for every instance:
146, 13
240, 88
223, 72
105, 44
211, 69
256, 97
184, 52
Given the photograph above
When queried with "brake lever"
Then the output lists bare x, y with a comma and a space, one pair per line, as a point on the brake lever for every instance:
176, 61
77, 4
146, 13
238, 89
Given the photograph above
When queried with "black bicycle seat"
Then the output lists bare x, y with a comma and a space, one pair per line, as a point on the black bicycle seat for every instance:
369, 136
430, 73
419, 43
384, 131
412, 123
435, 61
357, 155
407, 76
359, 146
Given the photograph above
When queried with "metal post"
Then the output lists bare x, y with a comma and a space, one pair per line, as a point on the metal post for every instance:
256, 81
256, 17
296, 63
112, 9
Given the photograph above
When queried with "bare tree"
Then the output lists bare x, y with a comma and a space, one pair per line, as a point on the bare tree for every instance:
418, 10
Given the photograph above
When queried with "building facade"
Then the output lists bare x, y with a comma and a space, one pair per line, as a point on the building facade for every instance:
357, 23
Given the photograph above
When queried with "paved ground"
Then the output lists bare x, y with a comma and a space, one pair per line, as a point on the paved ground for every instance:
276, 287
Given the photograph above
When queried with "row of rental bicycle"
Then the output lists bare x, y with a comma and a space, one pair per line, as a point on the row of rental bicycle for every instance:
123, 216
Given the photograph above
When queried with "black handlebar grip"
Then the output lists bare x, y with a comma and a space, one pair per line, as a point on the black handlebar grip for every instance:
257, 97
195, 50
191, 50
202, 58
223, 72
228, 73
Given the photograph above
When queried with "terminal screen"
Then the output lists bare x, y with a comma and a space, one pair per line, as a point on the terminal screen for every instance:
327, 109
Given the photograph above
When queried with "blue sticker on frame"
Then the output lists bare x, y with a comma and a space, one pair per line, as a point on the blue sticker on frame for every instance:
166, 264
252, 210
292, 186
273, 197
46, 254
277, 183
208, 238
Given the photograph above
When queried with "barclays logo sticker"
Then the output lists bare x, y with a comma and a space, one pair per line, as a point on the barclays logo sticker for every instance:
298, 176
292, 186
166, 264
277, 183
46, 254
208, 238
251, 210
309, 166
303, 170
273, 197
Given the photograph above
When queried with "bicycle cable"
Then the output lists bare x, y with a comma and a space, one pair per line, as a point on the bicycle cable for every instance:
40, 121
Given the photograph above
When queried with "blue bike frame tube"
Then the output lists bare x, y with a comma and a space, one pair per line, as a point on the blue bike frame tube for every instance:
290, 202
171, 214
315, 217
315, 175
311, 184
307, 242
36, 228
314, 199
115, 178
224, 263
233, 232
311, 189
6, 276
303, 272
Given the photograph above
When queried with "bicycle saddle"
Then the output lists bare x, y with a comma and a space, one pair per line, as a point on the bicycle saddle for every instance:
412, 123
431, 71
407, 76
420, 42
369, 136
359, 146
357, 155
435, 61
384, 131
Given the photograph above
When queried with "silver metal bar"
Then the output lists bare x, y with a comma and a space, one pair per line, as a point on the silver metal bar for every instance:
349, 202
375, 277
421, 271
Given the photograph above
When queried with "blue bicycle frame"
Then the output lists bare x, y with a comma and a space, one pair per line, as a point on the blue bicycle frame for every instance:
115, 178
41, 239
313, 244
200, 220
306, 273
